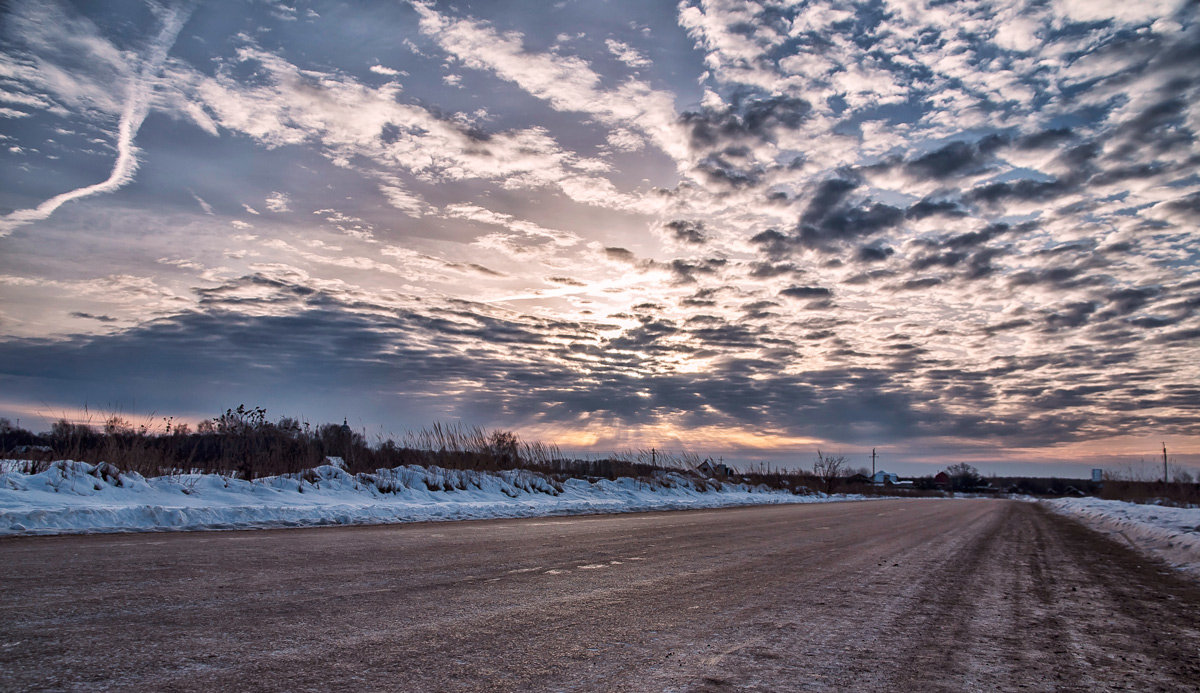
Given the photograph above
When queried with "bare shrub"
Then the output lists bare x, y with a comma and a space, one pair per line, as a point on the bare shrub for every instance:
828, 469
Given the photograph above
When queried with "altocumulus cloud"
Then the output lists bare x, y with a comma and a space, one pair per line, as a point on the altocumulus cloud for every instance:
910, 224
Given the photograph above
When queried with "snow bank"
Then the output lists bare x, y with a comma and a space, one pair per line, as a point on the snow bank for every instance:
1172, 534
75, 497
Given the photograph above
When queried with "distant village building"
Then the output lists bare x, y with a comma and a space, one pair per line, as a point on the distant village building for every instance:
942, 480
710, 468
881, 477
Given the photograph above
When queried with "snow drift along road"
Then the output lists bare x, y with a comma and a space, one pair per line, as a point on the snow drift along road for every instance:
73, 497
1172, 534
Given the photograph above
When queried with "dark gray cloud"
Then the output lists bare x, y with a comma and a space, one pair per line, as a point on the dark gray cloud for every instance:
827, 223
1071, 315
947, 259
1024, 190
750, 115
718, 169
955, 159
872, 253
928, 208
686, 271
806, 292
766, 270
408, 360
920, 283
89, 316
687, 231
1127, 300
848, 223
828, 195
620, 254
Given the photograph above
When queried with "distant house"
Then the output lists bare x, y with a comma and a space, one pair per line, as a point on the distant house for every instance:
859, 479
710, 468
942, 480
881, 477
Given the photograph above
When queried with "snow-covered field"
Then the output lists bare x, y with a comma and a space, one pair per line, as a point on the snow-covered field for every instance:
74, 497
1172, 534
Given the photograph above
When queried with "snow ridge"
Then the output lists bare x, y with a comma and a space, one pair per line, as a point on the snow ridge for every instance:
78, 497
1172, 534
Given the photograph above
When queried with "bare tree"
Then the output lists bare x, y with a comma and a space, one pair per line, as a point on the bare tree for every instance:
963, 477
828, 469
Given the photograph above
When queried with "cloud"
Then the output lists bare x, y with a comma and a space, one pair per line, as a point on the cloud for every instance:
566, 83
1102, 10
137, 105
684, 231
806, 292
385, 71
520, 237
868, 253
955, 159
401, 198
278, 202
203, 205
1002, 202
619, 254
626, 53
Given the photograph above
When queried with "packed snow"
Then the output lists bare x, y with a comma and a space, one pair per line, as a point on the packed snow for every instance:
1172, 534
76, 497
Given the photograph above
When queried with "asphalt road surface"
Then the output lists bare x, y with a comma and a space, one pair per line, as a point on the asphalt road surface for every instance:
887, 595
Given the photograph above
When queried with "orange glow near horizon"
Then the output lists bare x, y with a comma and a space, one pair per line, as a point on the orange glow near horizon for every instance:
709, 439
89, 416
1149, 447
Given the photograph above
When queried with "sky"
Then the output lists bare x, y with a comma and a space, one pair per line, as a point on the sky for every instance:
949, 231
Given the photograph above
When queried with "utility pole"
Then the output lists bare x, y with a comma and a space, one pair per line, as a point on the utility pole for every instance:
1164, 463
653, 457
872, 461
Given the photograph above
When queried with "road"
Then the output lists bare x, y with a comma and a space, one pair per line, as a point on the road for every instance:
886, 595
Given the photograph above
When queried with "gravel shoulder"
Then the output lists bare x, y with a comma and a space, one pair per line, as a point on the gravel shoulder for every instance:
886, 595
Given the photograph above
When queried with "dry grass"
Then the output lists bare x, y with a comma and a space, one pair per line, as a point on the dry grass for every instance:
1167, 493
243, 443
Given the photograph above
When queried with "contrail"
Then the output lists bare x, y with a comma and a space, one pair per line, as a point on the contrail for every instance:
137, 106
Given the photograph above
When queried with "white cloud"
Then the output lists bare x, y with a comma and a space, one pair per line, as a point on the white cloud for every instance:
203, 205
347, 224
385, 71
626, 53
278, 202
136, 107
566, 83
1018, 33
1125, 11
487, 216
346, 120
401, 198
